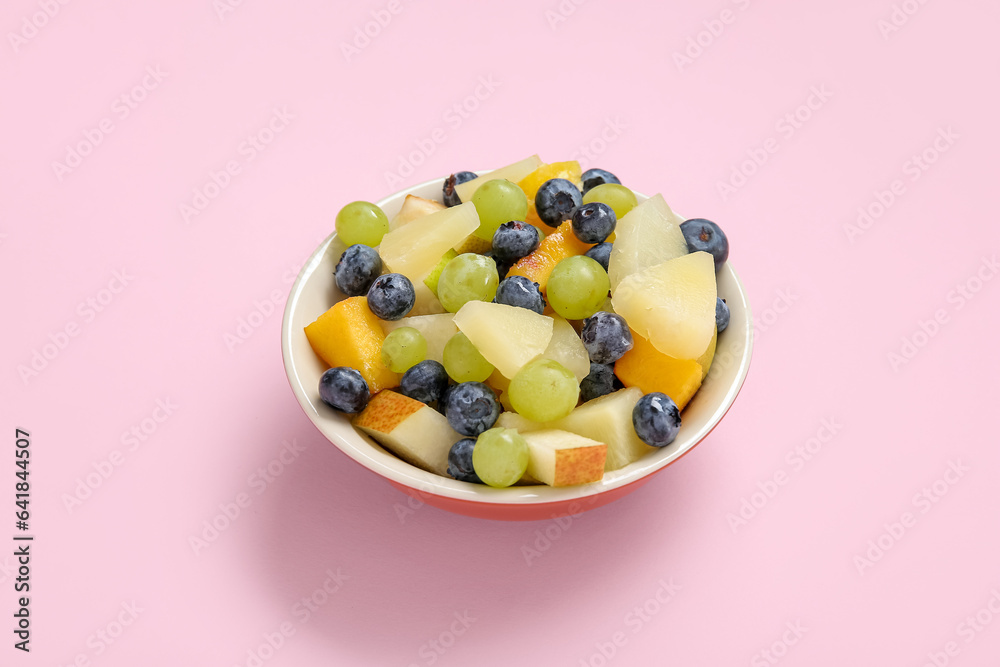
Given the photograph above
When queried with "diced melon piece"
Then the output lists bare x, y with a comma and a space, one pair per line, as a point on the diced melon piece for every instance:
507, 336
606, 419
413, 431
416, 248
567, 348
649, 369
648, 235
414, 207
672, 304
561, 458
349, 334
554, 248
437, 330
512, 172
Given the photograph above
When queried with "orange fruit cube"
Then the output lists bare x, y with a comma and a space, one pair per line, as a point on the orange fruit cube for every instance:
569, 170
349, 334
649, 369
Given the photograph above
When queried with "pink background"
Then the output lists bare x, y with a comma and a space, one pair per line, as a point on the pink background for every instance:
822, 353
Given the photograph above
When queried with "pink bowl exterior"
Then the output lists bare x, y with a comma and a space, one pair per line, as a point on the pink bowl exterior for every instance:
535, 512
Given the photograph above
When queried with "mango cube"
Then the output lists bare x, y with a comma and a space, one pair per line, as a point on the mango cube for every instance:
349, 334
649, 369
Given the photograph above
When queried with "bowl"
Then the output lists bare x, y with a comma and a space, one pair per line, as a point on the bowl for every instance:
314, 291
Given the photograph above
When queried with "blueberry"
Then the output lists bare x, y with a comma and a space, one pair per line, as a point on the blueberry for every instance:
721, 315
601, 253
594, 177
656, 419
472, 408
357, 269
391, 296
451, 197
502, 267
442, 405
594, 222
521, 292
705, 235
556, 200
513, 240
606, 337
460, 461
424, 382
600, 381
343, 388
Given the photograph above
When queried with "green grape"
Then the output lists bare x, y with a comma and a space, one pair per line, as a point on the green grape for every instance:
500, 456
618, 197
463, 362
362, 222
402, 348
544, 390
468, 277
498, 201
577, 287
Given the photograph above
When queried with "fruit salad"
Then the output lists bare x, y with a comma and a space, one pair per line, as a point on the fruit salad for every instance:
537, 325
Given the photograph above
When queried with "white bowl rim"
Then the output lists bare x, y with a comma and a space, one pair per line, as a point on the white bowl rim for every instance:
385, 464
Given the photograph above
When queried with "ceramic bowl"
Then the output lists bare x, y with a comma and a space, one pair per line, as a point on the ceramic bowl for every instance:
314, 292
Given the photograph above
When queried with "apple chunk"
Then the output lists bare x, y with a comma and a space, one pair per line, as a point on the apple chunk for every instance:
414, 207
560, 458
607, 418
413, 431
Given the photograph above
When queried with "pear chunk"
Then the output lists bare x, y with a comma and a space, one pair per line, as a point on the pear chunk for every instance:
567, 348
672, 305
648, 235
415, 248
507, 336
512, 172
